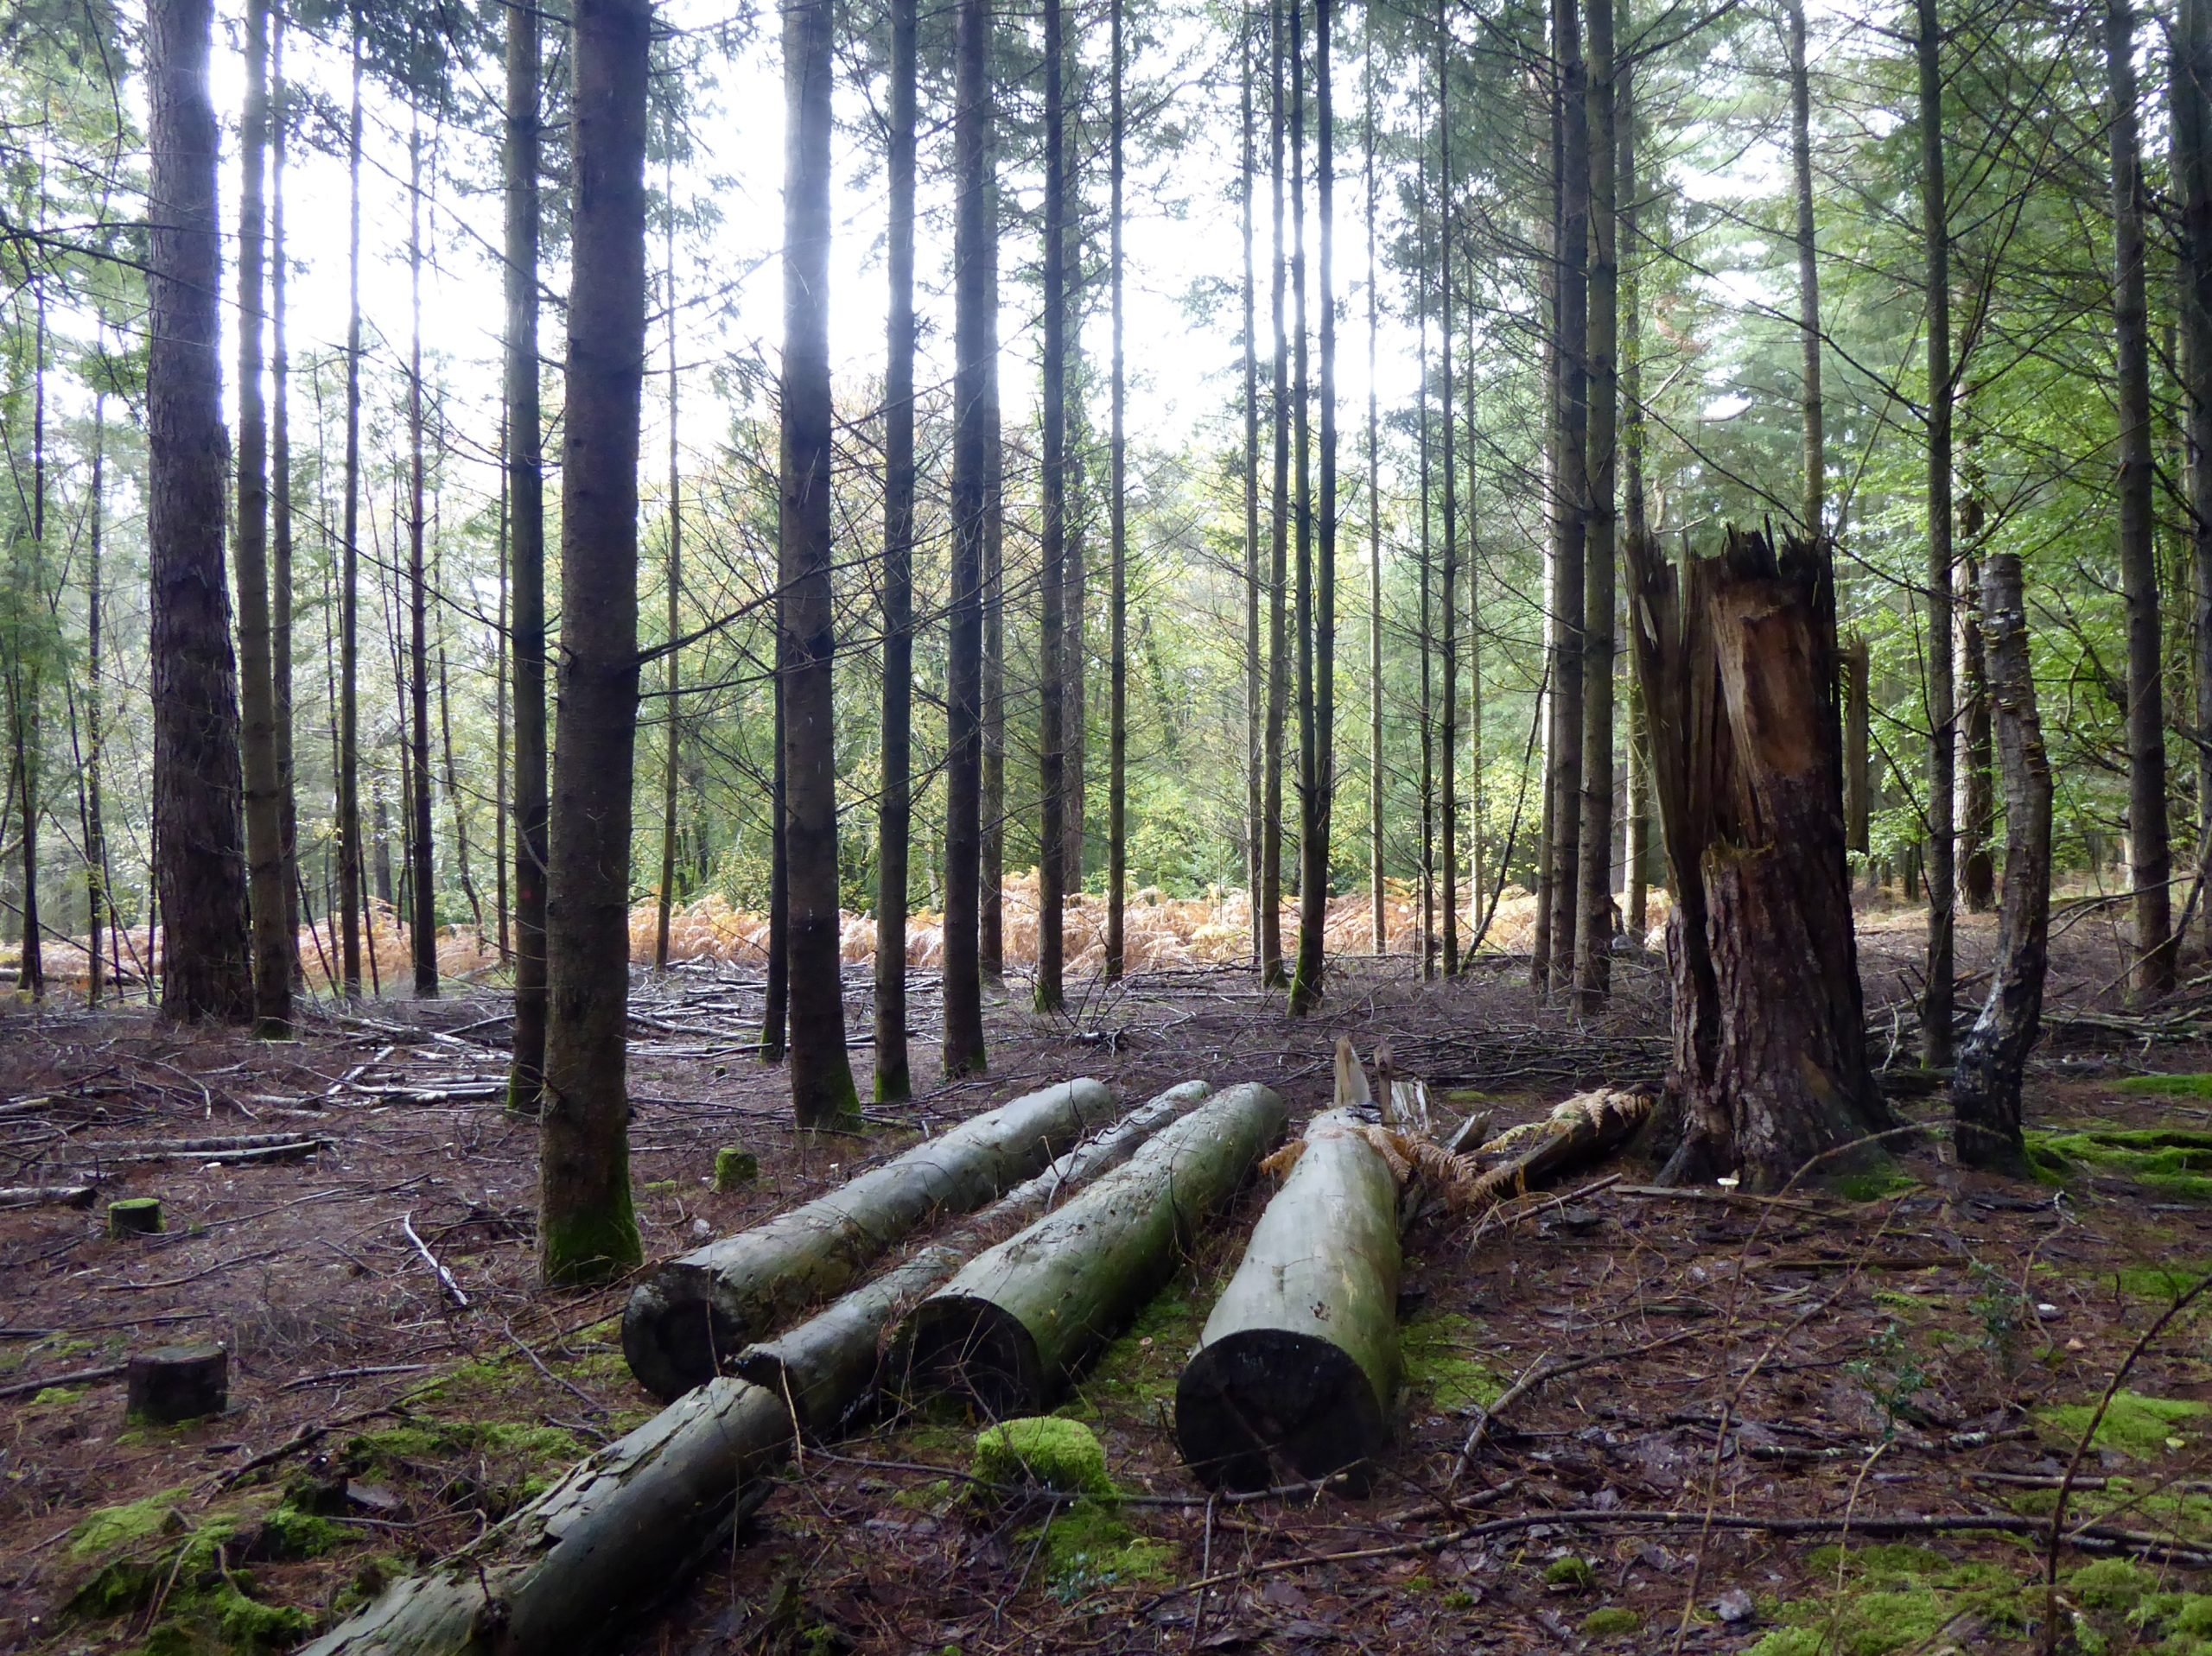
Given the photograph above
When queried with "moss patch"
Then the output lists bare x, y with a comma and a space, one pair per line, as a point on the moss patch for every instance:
1434, 1350
149, 1552
1088, 1547
1872, 1184
1142, 1366
1891, 1597
112, 1528
2166, 1085
2144, 1427
1064, 1456
2175, 1162
1613, 1623
1572, 1573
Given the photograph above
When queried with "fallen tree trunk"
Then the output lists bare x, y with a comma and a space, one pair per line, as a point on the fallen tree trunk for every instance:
827, 1367
694, 1311
1294, 1373
46, 1196
1582, 1129
1007, 1332
579, 1563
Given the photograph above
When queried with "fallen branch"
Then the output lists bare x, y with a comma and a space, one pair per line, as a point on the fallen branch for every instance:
445, 1277
46, 1196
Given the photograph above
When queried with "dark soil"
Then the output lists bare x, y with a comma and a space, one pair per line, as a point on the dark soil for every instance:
1907, 1353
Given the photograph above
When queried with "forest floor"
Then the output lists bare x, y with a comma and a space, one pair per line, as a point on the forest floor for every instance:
1782, 1411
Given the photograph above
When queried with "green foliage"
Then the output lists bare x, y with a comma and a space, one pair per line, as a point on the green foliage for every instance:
2143, 1427
2191, 1086
1089, 1545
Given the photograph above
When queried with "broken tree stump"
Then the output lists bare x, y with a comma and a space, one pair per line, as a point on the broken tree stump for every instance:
694, 1312
1296, 1368
615, 1535
135, 1216
1005, 1332
828, 1366
175, 1383
1738, 660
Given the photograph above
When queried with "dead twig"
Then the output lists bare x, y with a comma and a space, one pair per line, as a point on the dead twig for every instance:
445, 1277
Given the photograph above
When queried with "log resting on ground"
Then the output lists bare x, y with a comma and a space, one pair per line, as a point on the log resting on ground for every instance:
1007, 1332
826, 1368
576, 1565
710, 1305
1582, 1129
1294, 1373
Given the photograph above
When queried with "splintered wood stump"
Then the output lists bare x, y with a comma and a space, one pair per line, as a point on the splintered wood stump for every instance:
1294, 1373
695, 1312
175, 1383
1007, 1332
826, 1368
576, 1565
1738, 665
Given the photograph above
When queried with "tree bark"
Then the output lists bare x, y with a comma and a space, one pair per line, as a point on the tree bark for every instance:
975, 256
1571, 473
687, 1318
1051, 739
1938, 996
826, 1369
1009, 1330
1593, 936
526, 529
199, 872
893, 1079
1268, 899
1985, 1083
585, 1228
1738, 668
1295, 1370
2147, 835
1117, 619
1858, 796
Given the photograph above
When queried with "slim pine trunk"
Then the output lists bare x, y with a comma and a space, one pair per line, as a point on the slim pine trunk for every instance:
974, 258
1052, 737
200, 865
1977, 759
1117, 601
1422, 575
1269, 899
280, 508
450, 770
1320, 742
1572, 481
1636, 786
99, 900
1474, 803
1255, 648
672, 750
990, 926
351, 863
25, 675
2191, 84
775, 991
1936, 1007
1808, 271
502, 796
1447, 579
525, 462
1594, 927
421, 848
893, 1079
587, 1229
821, 1073
1378, 916
2155, 945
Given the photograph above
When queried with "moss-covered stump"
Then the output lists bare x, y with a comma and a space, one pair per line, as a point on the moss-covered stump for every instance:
135, 1216
176, 1383
1062, 1456
734, 1168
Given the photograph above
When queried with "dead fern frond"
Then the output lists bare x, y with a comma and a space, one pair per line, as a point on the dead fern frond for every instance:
1277, 1166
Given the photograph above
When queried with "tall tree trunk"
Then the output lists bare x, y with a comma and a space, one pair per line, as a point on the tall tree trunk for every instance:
26, 673
2155, 945
672, 750
1636, 787
1269, 898
502, 794
775, 991
1117, 617
991, 864
1255, 648
454, 800
99, 895
587, 1229
200, 869
1052, 737
1551, 293
1808, 272
893, 1078
1075, 661
1321, 744
1985, 1084
1301, 403
264, 815
1448, 738
974, 255
1976, 761
2191, 86
421, 847
1936, 229
1594, 927
1474, 806
350, 864
1422, 573
821, 1072
1377, 915
1573, 476
526, 460
280, 521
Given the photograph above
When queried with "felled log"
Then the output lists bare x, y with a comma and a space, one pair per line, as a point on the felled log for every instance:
174, 1383
827, 1367
1582, 1129
1005, 1332
710, 1305
46, 1196
575, 1566
1295, 1370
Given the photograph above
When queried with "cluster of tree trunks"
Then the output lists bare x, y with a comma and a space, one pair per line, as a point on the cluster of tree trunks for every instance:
1007, 1331
695, 1311
1738, 660
1295, 1370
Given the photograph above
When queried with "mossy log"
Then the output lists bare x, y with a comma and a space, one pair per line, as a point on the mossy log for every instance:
577, 1565
694, 1311
827, 1367
1299, 1361
1007, 1332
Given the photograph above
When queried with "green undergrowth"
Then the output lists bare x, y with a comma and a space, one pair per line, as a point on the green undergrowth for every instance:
1434, 1350
2174, 1162
1089, 1545
2142, 1427
1139, 1371
191, 1571
2166, 1085
2184, 1515
1876, 1600
2159, 1282
1873, 1184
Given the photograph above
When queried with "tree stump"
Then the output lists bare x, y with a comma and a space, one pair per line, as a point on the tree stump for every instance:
175, 1383
135, 1216
1739, 668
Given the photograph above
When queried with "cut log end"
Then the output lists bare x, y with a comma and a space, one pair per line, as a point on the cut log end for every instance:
968, 1348
674, 1334
177, 1383
1268, 1407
